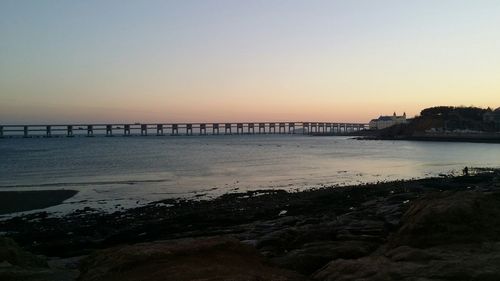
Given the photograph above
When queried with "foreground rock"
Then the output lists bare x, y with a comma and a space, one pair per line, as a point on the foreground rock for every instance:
444, 236
186, 259
17, 264
450, 218
463, 262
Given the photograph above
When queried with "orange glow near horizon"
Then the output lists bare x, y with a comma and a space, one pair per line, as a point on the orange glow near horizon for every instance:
244, 61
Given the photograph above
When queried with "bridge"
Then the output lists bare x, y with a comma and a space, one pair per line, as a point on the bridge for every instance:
163, 129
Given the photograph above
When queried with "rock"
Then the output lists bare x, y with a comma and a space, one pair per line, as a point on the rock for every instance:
405, 253
216, 258
311, 257
368, 268
450, 217
13, 254
476, 262
17, 264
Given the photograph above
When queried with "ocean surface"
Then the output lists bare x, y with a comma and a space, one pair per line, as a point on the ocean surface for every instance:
122, 172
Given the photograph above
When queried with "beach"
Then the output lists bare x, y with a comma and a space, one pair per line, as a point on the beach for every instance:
299, 232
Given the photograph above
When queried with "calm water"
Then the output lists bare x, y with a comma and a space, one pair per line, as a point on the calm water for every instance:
111, 173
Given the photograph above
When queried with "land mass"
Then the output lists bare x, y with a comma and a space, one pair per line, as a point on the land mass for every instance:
445, 123
445, 228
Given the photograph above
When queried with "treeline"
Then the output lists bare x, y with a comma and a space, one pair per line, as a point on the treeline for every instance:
444, 118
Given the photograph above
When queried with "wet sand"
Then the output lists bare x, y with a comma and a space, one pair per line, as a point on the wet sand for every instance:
19, 201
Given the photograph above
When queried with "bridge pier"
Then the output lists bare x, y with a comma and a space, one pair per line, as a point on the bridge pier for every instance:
109, 130
239, 128
69, 130
1, 131
203, 129
144, 129
159, 129
90, 130
291, 128
328, 128
321, 127
251, 126
282, 126
189, 129
48, 131
175, 129
262, 126
314, 128
215, 128
126, 130
273, 127
227, 128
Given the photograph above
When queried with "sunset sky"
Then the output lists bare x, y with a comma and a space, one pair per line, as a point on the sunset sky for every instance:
244, 60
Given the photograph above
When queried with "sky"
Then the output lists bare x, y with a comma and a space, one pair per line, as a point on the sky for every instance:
244, 60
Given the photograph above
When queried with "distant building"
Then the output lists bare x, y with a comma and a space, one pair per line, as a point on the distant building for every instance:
387, 121
492, 116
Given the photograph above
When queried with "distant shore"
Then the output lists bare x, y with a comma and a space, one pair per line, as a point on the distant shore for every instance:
427, 136
437, 138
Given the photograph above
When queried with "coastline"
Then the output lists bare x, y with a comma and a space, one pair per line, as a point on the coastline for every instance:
435, 137
301, 232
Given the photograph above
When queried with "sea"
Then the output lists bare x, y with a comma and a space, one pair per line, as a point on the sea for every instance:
113, 173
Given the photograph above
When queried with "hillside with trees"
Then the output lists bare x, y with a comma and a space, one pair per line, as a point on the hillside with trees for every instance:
443, 119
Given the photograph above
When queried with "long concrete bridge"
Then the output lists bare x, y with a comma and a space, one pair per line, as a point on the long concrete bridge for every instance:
163, 129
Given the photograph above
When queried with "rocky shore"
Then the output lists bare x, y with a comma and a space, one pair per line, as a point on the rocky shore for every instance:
444, 228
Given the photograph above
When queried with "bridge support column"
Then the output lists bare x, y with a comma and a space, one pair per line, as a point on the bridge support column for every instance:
109, 130
203, 129
48, 131
126, 130
314, 128
215, 128
291, 128
262, 126
227, 128
282, 126
272, 126
321, 127
1, 131
90, 130
144, 129
69, 131
175, 129
159, 130
239, 128
189, 129
251, 126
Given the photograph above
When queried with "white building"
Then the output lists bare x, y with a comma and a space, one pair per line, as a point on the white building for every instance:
387, 121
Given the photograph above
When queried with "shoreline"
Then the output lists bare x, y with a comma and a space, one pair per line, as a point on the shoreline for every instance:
434, 139
230, 209
313, 234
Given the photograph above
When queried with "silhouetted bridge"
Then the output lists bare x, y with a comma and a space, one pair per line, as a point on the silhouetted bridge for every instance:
162, 129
